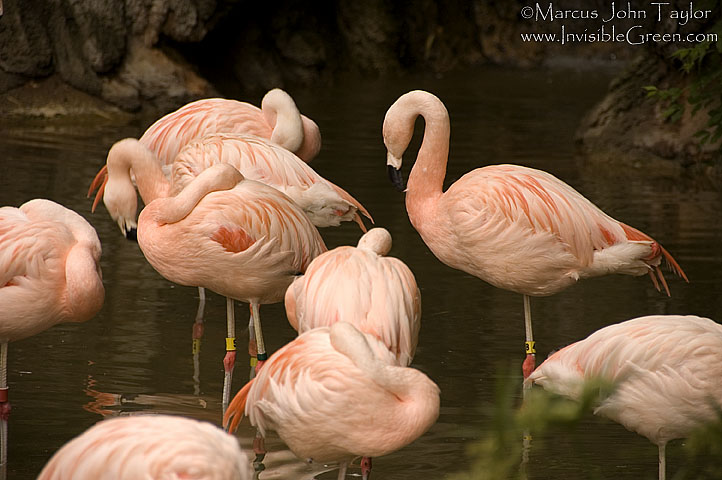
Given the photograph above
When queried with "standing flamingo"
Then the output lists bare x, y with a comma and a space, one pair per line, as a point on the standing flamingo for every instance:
258, 159
359, 285
150, 447
514, 227
666, 370
334, 394
49, 274
239, 238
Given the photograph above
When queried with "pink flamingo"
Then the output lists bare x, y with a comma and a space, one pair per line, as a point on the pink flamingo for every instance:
278, 120
666, 371
326, 203
260, 160
514, 227
334, 394
150, 446
239, 238
359, 285
49, 274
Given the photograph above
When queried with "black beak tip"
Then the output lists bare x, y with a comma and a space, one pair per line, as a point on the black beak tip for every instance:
396, 178
132, 234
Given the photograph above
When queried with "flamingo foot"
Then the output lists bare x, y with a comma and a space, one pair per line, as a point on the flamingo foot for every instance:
529, 364
365, 467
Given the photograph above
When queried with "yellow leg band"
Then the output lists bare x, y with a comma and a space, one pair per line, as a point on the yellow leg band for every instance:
196, 348
230, 344
529, 347
254, 361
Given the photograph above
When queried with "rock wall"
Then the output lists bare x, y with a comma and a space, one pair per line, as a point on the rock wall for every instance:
158, 54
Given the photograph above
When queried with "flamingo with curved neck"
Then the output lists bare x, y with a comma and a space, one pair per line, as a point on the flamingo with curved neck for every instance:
237, 237
278, 120
309, 392
514, 227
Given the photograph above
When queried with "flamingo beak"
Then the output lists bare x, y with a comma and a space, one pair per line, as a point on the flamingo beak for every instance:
132, 234
396, 178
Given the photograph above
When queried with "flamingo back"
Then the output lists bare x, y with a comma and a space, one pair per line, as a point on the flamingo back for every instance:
378, 295
149, 446
266, 162
509, 218
169, 134
666, 369
252, 233
325, 403
49, 269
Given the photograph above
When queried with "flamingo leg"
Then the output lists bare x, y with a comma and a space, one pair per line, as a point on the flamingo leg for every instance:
529, 345
365, 468
261, 354
662, 461
342, 471
230, 359
527, 368
4, 409
197, 335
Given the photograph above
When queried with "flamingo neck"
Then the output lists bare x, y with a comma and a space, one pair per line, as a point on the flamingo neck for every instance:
426, 180
138, 160
174, 209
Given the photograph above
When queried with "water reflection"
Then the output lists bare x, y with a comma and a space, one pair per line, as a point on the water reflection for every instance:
139, 348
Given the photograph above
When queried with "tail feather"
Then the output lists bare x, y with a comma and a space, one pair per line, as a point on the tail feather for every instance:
673, 265
657, 250
236, 409
346, 196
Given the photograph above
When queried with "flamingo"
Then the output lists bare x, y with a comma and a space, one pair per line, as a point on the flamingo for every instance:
323, 201
237, 237
326, 203
359, 285
278, 120
666, 370
334, 394
49, 274
151, 447
514, 227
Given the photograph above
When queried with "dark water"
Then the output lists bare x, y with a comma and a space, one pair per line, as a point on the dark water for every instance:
135, 356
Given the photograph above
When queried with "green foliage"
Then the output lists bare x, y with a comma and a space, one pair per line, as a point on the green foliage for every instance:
702, 63
499, 455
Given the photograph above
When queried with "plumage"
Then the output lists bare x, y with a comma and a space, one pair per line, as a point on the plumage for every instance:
514, 227
49, 274
258, 159
666, 370
325, 203
278, 120
363, 287
49, 269
186, 237
240, 238
152, 447
333, 394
